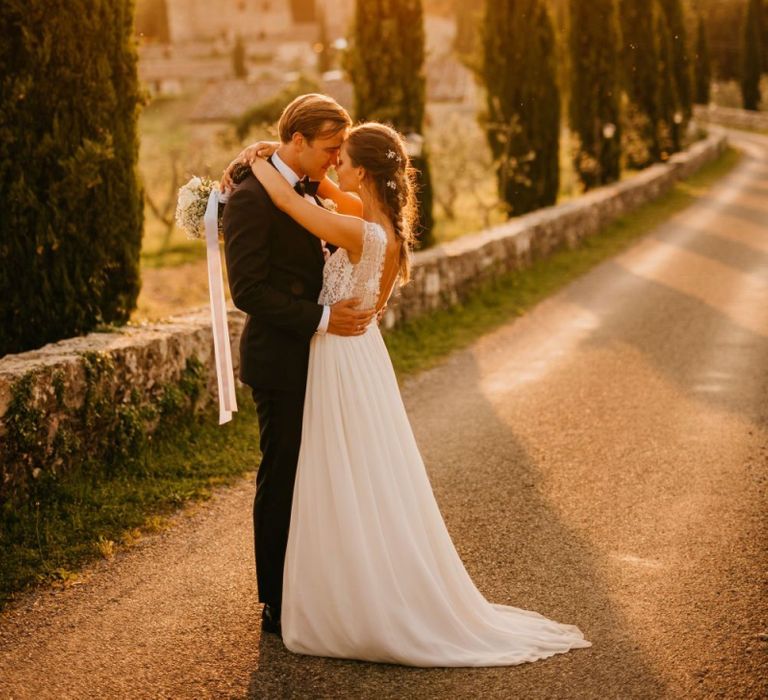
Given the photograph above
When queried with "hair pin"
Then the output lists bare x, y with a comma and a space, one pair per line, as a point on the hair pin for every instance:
392, 184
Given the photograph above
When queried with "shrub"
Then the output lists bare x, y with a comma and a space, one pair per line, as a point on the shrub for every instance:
595, 91
70, 233
640, 53
680, 64
703, 74
522, 120
752, 56
386, 64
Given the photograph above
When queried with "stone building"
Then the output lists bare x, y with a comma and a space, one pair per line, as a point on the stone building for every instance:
203, 20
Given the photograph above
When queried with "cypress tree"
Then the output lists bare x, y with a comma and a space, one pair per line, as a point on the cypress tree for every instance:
681, 63
152, 20
523, 102
466, 43
724, 22
669, 112
640, 53
324, 48
764, 36
72, 218
595, 91
752, 57
386, 64
239, 68
703, 73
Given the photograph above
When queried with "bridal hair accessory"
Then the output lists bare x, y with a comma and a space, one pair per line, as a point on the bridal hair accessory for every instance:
198, 211
391, 154
392, 184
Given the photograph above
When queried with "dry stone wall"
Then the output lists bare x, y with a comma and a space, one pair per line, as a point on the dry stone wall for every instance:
733, 118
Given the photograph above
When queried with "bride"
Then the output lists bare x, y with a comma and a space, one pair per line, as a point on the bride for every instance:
370, 571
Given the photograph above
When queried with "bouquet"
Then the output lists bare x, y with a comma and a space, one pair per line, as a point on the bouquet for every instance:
192, 203
191, 208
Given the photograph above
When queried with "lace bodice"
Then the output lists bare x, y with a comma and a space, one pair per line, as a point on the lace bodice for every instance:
344, 280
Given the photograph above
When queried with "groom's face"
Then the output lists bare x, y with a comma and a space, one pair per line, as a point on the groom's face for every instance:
318, 155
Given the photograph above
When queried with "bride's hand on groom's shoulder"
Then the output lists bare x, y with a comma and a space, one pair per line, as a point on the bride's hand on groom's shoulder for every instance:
260, 149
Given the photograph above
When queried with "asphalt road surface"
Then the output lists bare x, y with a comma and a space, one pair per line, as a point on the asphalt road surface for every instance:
601, 460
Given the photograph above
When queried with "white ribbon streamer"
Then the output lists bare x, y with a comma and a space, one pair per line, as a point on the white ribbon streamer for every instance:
225, 375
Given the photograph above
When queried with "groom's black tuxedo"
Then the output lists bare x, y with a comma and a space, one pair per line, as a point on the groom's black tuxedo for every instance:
275, 270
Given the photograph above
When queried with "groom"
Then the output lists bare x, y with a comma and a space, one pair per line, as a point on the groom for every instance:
275, 270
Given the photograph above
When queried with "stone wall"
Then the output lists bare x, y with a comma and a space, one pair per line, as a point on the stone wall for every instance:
145, 360
734, 118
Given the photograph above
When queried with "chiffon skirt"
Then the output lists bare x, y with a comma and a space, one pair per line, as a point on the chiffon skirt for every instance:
371, 572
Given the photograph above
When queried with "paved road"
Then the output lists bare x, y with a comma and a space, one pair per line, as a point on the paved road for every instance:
601, 460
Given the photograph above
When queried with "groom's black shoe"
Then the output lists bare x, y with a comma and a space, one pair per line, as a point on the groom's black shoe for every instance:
270, 619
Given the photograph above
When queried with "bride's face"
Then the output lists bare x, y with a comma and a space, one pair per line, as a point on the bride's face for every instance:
349, 176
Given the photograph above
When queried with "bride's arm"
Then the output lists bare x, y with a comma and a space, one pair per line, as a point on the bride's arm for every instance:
342, 230
260, 149
347, 202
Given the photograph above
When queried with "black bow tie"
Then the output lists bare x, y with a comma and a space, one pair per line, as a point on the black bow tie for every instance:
307, 186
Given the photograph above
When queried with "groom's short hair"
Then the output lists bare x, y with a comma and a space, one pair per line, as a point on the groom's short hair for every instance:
314, 116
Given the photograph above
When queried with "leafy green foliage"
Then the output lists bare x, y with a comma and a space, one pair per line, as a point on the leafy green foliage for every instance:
107, 432
386, 64
670, 112
640, 52
595, 91
152, 20
239, 69
72, 203
81, 515
702, 73
522, 117
93, 472
752, 59
723, 20
326, 51
680, 63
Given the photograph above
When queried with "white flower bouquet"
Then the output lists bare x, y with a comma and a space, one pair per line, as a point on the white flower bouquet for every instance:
192, 203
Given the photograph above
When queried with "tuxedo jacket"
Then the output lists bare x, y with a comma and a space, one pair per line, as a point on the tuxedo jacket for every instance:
275, 269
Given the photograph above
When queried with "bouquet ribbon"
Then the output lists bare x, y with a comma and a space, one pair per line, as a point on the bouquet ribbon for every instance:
225, 375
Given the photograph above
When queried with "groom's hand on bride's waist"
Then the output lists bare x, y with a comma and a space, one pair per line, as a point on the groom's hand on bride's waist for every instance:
347, 320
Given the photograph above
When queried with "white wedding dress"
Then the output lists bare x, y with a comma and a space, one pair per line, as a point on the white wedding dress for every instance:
371, 572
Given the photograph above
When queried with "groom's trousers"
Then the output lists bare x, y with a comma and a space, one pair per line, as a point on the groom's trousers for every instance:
280, 415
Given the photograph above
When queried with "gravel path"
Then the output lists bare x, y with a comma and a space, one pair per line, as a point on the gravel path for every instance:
601, 460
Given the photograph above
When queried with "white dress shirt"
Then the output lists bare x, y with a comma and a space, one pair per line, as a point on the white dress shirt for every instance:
293, 178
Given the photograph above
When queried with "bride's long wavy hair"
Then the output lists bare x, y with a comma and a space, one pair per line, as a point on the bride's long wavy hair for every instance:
381, 151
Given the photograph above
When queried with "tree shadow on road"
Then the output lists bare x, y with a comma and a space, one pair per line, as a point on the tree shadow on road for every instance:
725, 251
700, 349
753, 190
517, 550
743, 212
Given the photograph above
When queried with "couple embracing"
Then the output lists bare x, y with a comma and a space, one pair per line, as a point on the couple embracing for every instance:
353, 559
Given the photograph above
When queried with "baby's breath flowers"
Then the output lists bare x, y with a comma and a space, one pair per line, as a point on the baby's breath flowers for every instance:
191, 206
